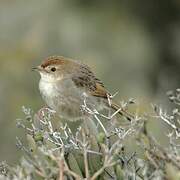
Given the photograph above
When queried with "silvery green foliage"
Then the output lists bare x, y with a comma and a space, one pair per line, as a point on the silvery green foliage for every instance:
96, 148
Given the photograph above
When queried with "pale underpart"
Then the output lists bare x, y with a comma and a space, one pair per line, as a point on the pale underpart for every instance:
66, 98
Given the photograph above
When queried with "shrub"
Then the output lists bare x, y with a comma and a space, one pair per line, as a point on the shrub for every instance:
98, 148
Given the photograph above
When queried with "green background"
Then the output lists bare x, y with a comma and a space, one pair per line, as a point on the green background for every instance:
133, 46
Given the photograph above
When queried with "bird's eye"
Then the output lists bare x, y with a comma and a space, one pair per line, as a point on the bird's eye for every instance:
53, 69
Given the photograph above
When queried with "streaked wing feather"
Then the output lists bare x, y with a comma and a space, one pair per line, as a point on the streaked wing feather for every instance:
87, 80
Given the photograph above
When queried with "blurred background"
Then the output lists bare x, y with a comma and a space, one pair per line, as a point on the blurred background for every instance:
133, 46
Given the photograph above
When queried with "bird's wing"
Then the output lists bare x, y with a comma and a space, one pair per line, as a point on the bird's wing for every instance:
86, 79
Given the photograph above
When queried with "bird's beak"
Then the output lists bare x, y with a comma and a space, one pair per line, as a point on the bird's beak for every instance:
38, 68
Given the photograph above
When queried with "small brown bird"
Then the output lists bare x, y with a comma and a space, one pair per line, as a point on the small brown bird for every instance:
63, 84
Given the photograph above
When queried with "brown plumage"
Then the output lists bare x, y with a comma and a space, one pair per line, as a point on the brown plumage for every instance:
60, 69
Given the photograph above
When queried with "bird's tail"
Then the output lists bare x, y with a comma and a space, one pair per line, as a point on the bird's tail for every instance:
122, 112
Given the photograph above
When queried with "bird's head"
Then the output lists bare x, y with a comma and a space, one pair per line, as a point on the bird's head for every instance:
54, 68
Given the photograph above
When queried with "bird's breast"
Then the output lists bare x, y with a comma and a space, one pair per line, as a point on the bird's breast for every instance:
65, 98
47, 89
59, 93
49, 93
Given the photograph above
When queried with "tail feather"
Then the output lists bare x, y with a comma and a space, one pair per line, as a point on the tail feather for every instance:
122, 112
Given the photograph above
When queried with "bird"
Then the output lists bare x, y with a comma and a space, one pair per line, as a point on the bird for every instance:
65, 83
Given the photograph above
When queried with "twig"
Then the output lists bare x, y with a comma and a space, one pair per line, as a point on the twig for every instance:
61, 166
73, 174
85, 147
102, 126
107, 163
